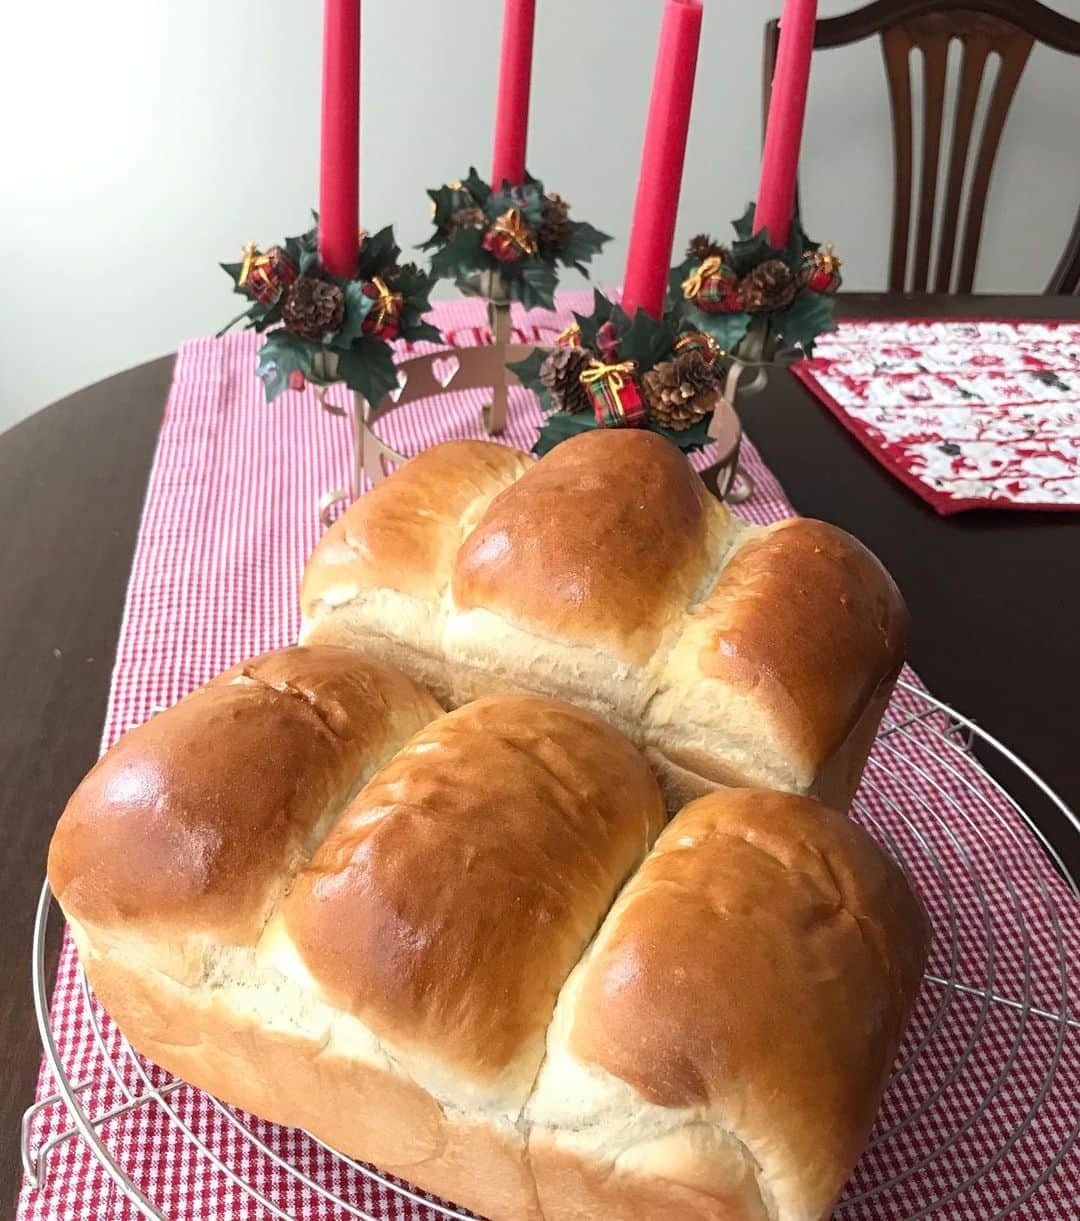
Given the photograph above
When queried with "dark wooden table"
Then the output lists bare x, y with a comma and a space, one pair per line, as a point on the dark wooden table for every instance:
994, 597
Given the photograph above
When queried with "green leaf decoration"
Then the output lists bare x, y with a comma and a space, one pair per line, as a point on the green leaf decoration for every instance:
368, 366
647, 341
527, 372
807, 317
357, 308
477, 187
460, 256
604, 310
280, 356
378, 252
690, 439
535, 286
233, 270
527, 198
583, 241
447, 199
726, 329
559, 427
748, 253
267, 316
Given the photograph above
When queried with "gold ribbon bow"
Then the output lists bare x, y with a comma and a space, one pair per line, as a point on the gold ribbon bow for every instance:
570, 338
828, 260
598, 371
251, 254
516, 230
695, 282
385, 304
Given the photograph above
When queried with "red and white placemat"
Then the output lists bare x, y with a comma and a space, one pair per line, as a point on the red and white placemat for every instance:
228, 521
969, 414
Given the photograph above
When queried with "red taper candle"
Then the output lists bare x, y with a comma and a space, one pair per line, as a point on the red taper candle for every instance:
339, 165
783, 132
512, 108
653, 229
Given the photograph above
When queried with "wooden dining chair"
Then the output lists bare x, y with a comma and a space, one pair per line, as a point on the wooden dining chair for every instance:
1006, 28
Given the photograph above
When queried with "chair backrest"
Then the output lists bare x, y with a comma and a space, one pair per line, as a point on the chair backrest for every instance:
942, 258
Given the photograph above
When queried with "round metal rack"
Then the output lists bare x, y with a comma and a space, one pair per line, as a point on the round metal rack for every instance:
972, 1121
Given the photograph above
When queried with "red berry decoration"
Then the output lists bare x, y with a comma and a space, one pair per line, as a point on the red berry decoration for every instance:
820, 271
265, 276
297, 381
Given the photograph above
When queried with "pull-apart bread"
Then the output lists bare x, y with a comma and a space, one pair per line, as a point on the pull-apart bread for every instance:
452, 945
606, 575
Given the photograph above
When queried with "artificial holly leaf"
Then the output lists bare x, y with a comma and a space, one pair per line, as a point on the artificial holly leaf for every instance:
378, 252
744, 225
527, 198
527, 372
268, 314
368, 366
280, 356
749, 253
807, 317
476, 187
460, 256
233, 270
582, 242
799, 243
535, 286
357, 308
248, 313
648, 341
559, 427
294, 249
726, 329
604, 310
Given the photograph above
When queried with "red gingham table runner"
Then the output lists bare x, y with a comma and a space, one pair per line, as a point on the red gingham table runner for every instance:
982, 413
228, 521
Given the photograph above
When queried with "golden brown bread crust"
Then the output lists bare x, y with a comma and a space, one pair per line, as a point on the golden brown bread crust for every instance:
200, 814
404, 533
452, 898
810, 620
756, 974
601, 542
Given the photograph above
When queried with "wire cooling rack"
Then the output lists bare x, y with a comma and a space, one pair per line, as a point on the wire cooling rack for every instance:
980, 1119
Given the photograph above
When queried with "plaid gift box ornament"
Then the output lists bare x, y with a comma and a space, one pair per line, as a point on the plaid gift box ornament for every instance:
615, 394
509, 238
383, 320
713, 288
264, 276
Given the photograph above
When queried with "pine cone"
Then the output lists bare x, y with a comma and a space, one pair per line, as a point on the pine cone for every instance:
313, 308
770, 286
554, 228
467, 218
561, 374
703, 247
682, 391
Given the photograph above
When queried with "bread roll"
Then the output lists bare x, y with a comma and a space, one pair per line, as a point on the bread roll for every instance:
383, 976
721, 1050
606, 575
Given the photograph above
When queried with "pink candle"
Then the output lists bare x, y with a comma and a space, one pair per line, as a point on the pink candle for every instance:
653, 230
339, 166
512, 110
783, 134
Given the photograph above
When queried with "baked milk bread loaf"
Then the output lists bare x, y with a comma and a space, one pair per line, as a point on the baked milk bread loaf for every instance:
605, 574
454, 946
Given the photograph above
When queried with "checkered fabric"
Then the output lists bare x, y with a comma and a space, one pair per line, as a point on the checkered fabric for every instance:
982, 1109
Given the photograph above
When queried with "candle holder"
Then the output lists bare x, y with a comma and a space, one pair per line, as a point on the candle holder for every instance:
324, 328
475, 368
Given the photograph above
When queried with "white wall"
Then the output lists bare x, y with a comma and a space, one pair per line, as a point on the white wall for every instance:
145, 140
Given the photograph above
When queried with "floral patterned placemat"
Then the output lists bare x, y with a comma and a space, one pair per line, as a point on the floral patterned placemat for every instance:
983, 413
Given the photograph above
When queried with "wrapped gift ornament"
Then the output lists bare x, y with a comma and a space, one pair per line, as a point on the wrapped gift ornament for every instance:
615, 394
265, 276
713, 288
384, 318
509, 238
820, 271
699, 341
